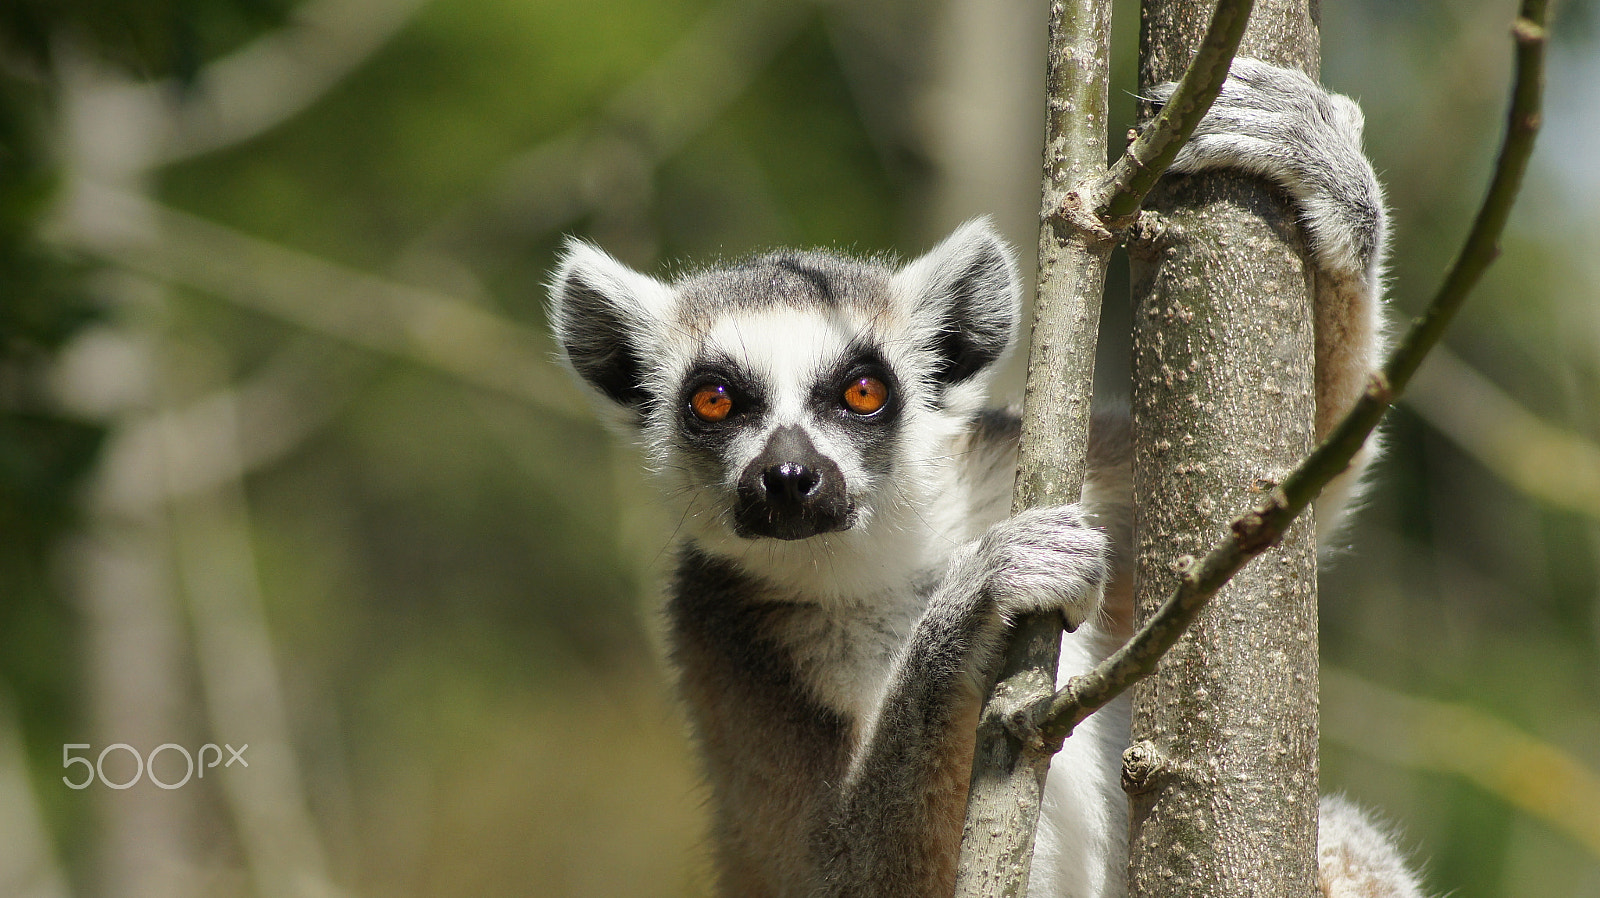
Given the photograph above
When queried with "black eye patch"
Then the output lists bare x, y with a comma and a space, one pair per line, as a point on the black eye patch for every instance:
735, 400
862, 363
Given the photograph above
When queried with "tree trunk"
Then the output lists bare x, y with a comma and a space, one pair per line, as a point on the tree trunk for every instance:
1223, 768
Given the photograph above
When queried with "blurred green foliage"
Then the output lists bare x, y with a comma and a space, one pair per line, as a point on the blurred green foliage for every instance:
43, 454
457, 582
149, 37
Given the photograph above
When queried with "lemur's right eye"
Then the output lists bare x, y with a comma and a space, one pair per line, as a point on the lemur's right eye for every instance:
711, 403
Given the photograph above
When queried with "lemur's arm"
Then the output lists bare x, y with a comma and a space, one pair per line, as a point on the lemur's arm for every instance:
898, 813
1280, 125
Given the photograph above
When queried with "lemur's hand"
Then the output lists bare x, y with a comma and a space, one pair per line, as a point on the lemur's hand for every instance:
1042, 559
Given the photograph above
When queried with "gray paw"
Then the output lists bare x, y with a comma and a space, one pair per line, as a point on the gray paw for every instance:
1044, 559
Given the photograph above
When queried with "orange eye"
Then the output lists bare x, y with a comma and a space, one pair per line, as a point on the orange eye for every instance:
866, 396
711, 403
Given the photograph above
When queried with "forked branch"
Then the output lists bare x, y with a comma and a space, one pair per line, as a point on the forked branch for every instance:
1132, 176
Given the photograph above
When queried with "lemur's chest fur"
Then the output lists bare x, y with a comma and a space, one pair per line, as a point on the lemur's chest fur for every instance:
831, 650
842, 651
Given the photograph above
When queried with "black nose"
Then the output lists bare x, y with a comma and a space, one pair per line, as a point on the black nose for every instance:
789, 483
791, 491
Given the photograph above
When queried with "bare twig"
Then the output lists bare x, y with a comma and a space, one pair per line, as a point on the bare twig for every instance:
1146, 159
1260, 528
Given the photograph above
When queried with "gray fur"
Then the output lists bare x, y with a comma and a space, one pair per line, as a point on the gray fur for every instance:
877, 837
1278, 124
845, 579
813, 278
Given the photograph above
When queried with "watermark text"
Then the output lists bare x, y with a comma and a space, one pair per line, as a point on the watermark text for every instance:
195, 765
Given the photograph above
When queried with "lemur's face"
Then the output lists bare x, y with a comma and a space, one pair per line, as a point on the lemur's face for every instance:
789, 419
793, 395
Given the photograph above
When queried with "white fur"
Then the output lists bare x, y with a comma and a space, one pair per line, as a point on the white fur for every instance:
907, 524
1358, 857
1080, 850
926, 279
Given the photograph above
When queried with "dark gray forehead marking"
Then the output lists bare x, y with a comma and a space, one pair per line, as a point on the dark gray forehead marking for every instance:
820, 284
788, 278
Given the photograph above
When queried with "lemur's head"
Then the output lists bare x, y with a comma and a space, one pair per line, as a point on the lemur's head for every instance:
794, 394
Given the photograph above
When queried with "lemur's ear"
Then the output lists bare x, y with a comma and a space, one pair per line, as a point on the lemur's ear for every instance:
602, 313
963, 297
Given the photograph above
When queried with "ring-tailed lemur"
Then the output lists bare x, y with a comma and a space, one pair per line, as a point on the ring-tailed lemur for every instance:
846, 565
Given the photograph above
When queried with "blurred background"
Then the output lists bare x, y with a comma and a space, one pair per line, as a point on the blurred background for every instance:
285, 463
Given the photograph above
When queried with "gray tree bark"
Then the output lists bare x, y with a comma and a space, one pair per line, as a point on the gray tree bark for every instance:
1008, 774
1223, 768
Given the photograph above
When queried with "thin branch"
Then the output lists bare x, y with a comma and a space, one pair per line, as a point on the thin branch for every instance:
1118, 197
1008, 774
1261, 528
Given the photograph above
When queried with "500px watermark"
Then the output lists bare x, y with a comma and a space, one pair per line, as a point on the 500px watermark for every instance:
195, 765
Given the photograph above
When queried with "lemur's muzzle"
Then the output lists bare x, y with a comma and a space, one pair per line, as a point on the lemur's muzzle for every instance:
791, 491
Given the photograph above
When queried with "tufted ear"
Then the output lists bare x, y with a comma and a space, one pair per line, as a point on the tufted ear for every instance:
603, 314
964, 295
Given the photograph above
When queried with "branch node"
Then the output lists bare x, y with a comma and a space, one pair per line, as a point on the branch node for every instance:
1075, 214
1379, 389
1143, 767
1527, 32
1254, 529
1020, 711
1149, 235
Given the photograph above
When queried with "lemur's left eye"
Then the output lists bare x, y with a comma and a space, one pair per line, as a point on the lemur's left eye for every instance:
711, 403
866, 395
